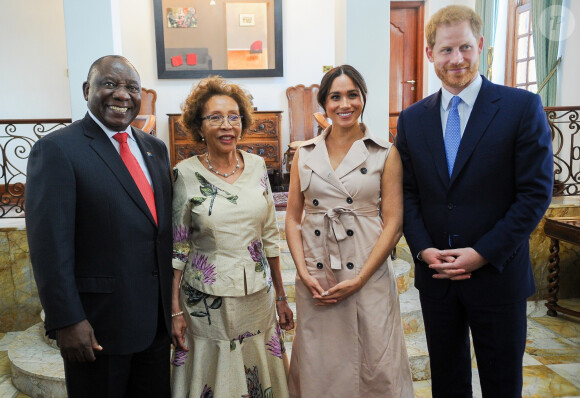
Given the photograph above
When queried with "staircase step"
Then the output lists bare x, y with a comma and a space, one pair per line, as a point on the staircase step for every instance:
286, 261
37, 368
418, 356
411, 315
288, 280
402, 273
7, 390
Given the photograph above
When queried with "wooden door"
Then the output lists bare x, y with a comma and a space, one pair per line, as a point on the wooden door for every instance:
406, 69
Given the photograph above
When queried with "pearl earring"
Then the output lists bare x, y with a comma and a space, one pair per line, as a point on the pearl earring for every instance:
202, 139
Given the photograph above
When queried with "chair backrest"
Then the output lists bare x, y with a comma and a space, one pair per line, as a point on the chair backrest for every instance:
148, 98
145, 120
145, 123
302, 104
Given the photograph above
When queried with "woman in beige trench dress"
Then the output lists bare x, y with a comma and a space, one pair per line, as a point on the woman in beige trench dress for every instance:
348, 184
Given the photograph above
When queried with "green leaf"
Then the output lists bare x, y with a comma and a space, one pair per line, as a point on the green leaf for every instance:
268, 393
233, 199
217, 303
232, 345
199, 314
259, 267
197, 200
207, 191
202, 179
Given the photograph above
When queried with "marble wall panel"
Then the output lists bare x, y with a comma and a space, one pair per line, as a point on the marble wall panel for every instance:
19, 303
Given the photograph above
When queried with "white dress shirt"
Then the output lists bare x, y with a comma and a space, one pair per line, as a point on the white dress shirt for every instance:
130, 140
468, 96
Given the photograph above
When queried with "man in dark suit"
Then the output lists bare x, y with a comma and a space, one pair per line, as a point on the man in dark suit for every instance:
100, 241
472, 197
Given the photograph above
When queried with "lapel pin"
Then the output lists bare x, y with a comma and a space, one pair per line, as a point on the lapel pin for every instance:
149, 154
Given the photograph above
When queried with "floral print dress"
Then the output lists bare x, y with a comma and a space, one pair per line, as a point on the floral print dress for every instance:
222, 235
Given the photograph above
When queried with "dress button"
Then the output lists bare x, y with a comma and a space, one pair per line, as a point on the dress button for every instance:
319, 265
349, 200
317, 232
350, 265
315, 202
363, 170
450, 206
350, 232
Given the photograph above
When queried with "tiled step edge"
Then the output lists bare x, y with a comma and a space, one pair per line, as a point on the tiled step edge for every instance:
411, 315
7, 390
37, 368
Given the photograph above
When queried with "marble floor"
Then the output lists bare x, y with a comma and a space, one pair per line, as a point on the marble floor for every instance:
551, 365
551, 362
552, 358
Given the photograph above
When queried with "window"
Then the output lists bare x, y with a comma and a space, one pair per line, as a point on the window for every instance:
520, 59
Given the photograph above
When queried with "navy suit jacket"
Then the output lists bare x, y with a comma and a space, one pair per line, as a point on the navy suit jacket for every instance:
96, 251
498, 192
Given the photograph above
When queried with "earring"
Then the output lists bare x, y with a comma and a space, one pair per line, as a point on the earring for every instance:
202, 138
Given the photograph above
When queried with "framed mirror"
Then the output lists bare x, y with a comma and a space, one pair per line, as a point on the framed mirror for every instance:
230, 38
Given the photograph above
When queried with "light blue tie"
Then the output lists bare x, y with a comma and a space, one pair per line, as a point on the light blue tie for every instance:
452, 133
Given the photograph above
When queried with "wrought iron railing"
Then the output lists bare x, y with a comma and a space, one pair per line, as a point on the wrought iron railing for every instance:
16, 141
565, 127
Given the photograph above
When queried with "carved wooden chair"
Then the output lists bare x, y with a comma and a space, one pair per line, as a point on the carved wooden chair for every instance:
302, 106
146, 118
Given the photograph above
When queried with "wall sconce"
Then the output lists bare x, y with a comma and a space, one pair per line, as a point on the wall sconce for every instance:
212, 3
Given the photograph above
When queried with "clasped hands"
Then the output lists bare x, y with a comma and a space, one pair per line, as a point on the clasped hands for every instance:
335, 294
454, 264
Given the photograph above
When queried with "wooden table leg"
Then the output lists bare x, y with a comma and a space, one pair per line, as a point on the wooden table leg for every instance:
553, 278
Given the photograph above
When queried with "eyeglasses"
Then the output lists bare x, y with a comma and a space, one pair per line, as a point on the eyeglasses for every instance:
218, 120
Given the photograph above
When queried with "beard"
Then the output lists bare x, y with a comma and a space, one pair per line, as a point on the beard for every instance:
458, 81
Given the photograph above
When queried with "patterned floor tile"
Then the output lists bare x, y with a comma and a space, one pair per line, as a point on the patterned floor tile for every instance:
553, 351
569, 371
564, 325
543, 382
537, 330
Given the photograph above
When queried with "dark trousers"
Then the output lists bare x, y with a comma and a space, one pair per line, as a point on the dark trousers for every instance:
499, 340
142, 374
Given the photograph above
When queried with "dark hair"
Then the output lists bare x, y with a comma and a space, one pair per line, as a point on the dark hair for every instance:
335, 72
98, 62
191, 118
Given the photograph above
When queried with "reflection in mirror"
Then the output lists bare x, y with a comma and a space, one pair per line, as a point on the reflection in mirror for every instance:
232, 38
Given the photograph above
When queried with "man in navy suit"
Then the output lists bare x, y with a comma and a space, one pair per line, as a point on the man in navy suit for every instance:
101, 253
478, 176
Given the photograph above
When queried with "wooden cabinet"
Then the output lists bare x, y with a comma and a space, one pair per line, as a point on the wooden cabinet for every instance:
263, 138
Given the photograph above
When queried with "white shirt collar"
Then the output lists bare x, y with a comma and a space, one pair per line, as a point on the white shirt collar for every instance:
110, 133
467, 95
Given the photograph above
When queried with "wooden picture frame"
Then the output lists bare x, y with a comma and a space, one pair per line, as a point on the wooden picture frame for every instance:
225, 41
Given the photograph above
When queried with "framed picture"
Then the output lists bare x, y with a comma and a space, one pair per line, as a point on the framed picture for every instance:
247, 20
221, 37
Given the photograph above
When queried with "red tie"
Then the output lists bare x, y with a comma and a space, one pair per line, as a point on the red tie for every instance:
136, 173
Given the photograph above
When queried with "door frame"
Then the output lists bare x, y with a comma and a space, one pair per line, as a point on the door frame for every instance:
420, 6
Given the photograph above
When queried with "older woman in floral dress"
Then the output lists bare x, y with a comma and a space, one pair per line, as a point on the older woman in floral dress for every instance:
227, 282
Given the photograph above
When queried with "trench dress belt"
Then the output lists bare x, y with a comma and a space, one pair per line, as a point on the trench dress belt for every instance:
334, 229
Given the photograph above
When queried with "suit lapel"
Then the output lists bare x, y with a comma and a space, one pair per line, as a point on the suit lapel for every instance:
481, 116
103, 147
433, 135
319, 163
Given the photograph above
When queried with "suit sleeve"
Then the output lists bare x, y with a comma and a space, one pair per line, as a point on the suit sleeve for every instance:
534, 173
413, 226
181, 221
50, 225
